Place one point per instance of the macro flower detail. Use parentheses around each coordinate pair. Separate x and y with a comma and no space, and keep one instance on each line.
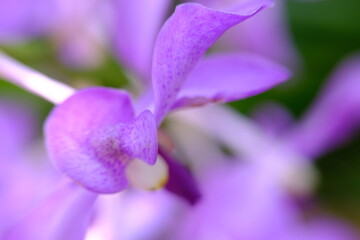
(124,154)
(94,134)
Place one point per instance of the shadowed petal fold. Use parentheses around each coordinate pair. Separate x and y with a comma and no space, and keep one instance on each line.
(183,40)
(93,135)
(229,77)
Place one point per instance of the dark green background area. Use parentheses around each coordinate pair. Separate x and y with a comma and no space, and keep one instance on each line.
(324,31)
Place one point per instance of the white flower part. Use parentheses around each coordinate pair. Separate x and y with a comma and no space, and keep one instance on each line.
(33,81)
(144,176)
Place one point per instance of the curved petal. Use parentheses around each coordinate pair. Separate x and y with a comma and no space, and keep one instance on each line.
(229,77)
(137,24)
(93,135)
(65,214)
(270,25)
(335,114)
(182,41)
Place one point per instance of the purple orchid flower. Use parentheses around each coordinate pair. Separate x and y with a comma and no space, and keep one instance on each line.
(93,143)
(95,133)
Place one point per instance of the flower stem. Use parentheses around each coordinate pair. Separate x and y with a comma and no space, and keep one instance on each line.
(33,81)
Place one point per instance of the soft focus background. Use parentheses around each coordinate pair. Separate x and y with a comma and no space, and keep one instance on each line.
(324,33)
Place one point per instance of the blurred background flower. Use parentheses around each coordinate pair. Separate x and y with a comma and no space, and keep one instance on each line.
(285,195)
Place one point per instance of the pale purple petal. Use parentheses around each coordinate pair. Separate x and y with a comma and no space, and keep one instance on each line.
(229,77)
(65,214)
(182,41)
(335,114)
(237,201)
(137,23)
(93,135)
(137,215)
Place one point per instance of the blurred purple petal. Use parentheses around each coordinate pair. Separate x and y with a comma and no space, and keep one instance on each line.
(136,26)
(79,31)
(16,128)
(335,114)
(17,21)
(237,201)
(229,77)
(321,229)
(182,41)
(135,215)
(63,215)
(24,178)
(93,135)
(273,118)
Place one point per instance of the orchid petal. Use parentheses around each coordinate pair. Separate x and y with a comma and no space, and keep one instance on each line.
(249,36)
(65,214)
(334,116)
(229,77)
(93,135)
(135,33)
(182,41)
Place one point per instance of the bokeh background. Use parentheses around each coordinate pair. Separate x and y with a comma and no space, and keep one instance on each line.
(324,33)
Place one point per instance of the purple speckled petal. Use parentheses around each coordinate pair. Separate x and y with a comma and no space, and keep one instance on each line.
(135,33)
(334,116)
(229,77)
(183,40)
(65,214)
(93,135)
